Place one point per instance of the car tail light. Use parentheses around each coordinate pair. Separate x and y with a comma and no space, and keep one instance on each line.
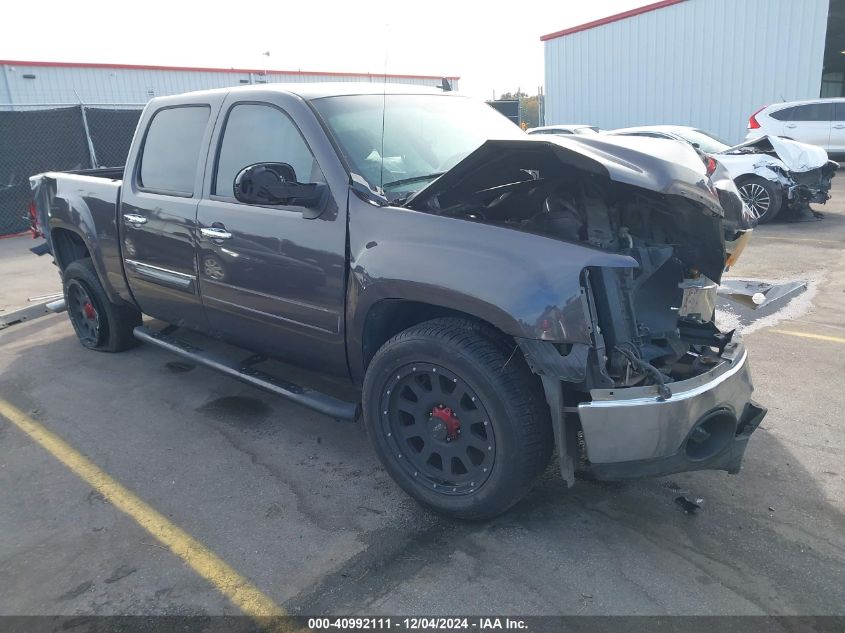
(710,164)
(752,120)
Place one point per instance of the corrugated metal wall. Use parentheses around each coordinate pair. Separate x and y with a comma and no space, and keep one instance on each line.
(706,63)
(97,85)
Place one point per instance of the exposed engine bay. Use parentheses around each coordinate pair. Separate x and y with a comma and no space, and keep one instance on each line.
(652,324)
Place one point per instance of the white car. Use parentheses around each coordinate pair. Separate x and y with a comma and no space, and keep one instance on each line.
(771,172)
(564,129)
(818,121)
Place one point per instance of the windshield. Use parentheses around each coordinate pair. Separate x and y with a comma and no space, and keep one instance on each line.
(424,135)
(706,143)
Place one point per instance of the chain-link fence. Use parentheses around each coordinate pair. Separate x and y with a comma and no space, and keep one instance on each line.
(42,138)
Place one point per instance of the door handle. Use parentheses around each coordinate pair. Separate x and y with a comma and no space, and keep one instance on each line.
(790,125)
(134,218)
(838,126)
(215,233)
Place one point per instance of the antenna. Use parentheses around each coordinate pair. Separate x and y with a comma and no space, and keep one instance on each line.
(91,151)
(383,108)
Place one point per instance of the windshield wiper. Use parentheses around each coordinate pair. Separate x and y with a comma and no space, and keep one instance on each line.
(405,181)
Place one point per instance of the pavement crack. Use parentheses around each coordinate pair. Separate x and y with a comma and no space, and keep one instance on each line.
(392,557)
(120,573)
(76,591)
(302,505)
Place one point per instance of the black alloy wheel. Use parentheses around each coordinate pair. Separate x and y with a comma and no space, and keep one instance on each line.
(99,323)
(439,428)
(84,314)
(457,418)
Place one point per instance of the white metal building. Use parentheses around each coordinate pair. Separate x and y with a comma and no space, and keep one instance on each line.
(706,63)
(26,83)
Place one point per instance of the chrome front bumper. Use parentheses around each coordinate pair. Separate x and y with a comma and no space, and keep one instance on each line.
(704,425)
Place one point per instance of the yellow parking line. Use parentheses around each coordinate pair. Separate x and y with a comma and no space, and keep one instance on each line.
(243,594)
(819,337)
(795,239)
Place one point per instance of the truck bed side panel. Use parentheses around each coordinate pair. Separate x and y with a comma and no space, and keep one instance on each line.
(87,206)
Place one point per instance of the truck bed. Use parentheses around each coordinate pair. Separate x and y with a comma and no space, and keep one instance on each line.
(112,173)
(45,187)
(83,203)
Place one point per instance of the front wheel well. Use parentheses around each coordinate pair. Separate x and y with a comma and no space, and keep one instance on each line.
(388,317)
(67,247)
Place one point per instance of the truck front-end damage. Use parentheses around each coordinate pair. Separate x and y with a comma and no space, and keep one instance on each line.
(702,423)
(660,389)
(655,387)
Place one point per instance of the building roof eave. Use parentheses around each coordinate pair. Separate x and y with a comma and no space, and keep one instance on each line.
(610,19)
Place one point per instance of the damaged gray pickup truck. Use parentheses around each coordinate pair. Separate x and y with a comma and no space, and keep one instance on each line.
(488,297)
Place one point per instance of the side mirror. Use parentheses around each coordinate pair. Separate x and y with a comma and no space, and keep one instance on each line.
(275,183)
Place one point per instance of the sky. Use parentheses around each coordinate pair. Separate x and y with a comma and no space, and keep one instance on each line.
(493,46)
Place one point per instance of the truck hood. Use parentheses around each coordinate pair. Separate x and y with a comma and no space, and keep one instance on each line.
(659,165)
(796,157)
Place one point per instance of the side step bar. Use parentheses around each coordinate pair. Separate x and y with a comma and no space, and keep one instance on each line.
(310,398)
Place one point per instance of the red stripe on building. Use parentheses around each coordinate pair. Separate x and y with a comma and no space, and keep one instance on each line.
(611,18)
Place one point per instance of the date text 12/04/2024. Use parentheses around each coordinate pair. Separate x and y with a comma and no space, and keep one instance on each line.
(417,623)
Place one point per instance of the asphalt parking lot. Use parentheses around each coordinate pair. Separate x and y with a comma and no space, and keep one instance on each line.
(298,507)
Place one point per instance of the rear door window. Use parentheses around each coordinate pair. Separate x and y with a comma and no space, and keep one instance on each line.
(813,112)
(784,114)
(839,111)
(171,151)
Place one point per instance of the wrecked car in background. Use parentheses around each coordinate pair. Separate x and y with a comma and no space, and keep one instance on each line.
(488,295)
(772,173)
(564,129)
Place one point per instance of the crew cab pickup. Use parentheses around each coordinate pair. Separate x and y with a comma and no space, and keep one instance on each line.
(488,297)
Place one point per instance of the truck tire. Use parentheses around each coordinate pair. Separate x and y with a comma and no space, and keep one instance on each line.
(457,418)
(762,196)
(99,324)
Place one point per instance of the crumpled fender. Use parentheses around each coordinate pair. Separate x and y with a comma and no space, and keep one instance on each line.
(761,165)
(526,285)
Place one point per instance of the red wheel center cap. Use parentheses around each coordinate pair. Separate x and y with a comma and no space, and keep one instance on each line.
(449,420)
(90,312)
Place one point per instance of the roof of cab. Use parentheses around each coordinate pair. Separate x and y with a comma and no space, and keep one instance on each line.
(319,90)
